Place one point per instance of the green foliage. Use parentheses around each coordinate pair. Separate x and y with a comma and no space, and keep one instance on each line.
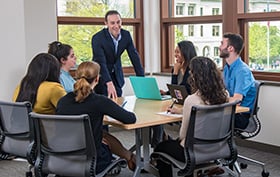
(79,36)
(258,43)
(179,35)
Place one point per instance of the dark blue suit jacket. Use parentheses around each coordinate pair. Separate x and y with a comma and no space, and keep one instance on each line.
(104,53)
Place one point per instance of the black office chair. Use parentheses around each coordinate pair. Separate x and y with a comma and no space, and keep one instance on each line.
(251,131)
(16,132)
(209,141)
(66,147)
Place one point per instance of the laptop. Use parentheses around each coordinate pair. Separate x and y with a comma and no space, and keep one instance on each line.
(178,92)
(146,88)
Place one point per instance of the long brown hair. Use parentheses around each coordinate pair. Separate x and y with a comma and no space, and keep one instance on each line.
(188,52)
(206,78)
(86,73)
(43,67)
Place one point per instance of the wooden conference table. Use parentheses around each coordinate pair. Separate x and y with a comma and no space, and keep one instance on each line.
(146,112)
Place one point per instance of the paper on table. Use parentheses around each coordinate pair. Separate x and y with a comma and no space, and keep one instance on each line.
(169,114)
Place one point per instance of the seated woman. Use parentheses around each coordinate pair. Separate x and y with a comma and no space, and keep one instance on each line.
(64,53)
(83,100)
(207,89)
(40,86)
(184,52)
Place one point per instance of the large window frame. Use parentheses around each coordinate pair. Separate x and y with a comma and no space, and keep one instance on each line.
(137,23)
(233,19)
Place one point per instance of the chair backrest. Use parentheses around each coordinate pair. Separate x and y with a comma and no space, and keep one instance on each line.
(15,128)
(254,125)
(65,145)
(210,134)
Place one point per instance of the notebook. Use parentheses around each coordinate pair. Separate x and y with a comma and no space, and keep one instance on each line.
(178,92)
(146,88)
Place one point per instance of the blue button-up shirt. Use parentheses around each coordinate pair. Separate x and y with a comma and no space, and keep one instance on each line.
(238,78)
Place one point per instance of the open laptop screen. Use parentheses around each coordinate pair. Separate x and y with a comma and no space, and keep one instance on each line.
(178,92)
(146,88)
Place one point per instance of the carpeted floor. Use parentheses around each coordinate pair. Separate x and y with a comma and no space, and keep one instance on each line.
(17,168)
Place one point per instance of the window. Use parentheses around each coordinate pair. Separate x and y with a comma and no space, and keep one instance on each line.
(216,57)
(191,30)
(215,11)
(264,46)
(180,9)
(191,10)
(95,8)
(204,44)
(261,32)
(79,20)
(216,51)
(263,6)
(215,30)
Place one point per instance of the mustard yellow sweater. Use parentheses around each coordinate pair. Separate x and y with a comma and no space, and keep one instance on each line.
(47,97)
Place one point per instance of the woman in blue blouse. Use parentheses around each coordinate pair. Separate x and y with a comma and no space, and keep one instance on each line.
(67,59)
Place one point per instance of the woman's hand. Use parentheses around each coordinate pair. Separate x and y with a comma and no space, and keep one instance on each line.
(175,110)
(177,67)
(162,92)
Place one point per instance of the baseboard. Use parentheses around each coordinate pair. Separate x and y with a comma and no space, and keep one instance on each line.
(258,146)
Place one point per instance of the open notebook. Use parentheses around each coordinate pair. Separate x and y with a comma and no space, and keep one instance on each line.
(146,88)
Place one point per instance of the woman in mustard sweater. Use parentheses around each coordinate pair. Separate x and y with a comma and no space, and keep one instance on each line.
(41,85)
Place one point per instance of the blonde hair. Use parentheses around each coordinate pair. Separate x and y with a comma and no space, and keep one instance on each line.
(86,73)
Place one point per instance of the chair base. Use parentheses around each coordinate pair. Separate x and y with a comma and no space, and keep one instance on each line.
(207,170)
(245,160)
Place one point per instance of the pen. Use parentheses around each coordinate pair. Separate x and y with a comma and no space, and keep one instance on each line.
(123,104)
(172,105)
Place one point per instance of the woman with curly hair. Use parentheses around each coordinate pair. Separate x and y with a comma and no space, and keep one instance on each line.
(207,89)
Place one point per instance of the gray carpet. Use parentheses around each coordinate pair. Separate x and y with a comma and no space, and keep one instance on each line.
(17,168)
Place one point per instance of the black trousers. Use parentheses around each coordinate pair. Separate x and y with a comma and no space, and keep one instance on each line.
(241,120)
(172,148)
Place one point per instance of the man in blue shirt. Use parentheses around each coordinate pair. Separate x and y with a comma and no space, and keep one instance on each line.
(238,78)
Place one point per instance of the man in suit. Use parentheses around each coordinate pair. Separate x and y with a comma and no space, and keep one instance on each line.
(107,47)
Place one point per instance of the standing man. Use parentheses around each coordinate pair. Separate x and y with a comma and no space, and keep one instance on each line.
(238,78)
(107,48)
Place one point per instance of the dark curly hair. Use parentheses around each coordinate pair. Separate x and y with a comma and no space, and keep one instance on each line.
(206,78)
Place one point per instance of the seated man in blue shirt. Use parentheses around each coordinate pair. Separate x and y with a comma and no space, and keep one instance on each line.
(238,78)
